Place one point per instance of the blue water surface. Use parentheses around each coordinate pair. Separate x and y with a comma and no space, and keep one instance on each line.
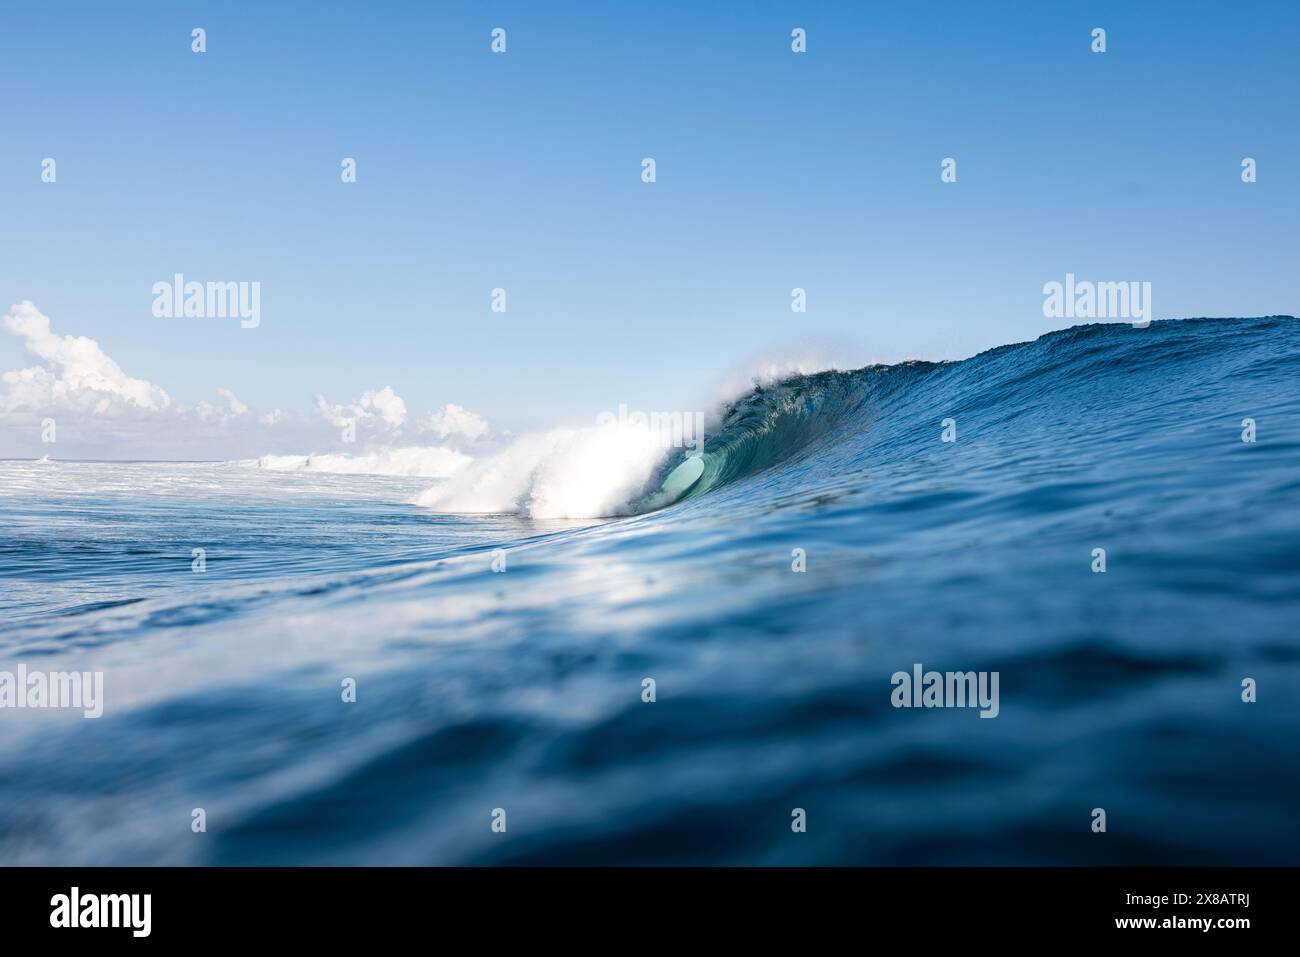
(522,690)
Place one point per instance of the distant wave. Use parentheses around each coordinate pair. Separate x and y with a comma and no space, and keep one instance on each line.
(416,461)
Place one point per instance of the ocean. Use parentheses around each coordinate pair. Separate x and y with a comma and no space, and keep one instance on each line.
(306,666)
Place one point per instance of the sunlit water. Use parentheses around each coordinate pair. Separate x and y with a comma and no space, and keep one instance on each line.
(522,690)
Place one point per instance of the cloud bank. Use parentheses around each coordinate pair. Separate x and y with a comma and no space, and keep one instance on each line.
(79,396)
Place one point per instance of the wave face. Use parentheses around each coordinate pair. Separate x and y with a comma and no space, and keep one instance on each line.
(522,688)
(1065,389)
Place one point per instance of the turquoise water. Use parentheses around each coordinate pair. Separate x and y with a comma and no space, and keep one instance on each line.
(522,690)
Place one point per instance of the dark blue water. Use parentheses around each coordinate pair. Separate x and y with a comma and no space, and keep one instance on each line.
(522,690)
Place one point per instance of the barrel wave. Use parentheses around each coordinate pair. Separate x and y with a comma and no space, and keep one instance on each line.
(1106,518)
(1071,389)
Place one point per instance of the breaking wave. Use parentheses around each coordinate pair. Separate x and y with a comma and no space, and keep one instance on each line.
(416,461)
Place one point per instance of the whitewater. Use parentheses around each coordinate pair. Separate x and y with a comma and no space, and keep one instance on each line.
(499,611)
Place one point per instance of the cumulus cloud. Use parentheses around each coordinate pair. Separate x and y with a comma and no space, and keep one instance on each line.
(387,403)
(77,371)
(382,412)
(382,407)
(101,412)
(453,420)
(237,407)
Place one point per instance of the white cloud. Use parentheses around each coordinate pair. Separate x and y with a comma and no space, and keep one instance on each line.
(220,414)
(77,372)
(237,407)
(386,402)
(451,419)
(383,408)
(101,412)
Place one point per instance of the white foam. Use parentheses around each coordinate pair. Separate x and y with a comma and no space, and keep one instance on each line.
(566,473)
(424,461)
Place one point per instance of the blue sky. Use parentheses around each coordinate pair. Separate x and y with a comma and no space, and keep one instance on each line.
(522,171)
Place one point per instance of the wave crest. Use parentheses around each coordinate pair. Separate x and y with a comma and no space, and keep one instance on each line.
(566,473)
